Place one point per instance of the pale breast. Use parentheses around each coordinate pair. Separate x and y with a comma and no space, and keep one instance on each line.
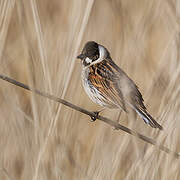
(92,92)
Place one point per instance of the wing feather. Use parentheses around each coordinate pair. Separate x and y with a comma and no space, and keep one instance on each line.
(102,77)
(117,89)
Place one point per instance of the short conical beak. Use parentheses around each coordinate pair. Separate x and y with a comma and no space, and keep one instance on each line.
(81,56)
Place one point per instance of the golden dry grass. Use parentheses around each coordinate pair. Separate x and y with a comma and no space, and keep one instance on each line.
(41,139)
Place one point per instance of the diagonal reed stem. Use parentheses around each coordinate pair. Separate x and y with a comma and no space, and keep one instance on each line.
(92,114)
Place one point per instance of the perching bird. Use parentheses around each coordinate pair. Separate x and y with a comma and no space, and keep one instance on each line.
(108,85)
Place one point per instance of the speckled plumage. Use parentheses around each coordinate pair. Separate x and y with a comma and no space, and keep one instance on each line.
(108,85)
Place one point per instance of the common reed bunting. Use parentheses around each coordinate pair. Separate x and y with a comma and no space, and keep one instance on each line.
(108,85)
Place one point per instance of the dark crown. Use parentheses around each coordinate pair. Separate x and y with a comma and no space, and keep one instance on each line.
(91,50)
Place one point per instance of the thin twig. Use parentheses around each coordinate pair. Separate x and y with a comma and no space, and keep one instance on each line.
(92,114)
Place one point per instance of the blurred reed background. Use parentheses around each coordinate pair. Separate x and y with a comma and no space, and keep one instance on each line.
(40,40)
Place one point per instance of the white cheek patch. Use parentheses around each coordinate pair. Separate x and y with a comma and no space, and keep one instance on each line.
(88,61)
(102,52)
(102,55)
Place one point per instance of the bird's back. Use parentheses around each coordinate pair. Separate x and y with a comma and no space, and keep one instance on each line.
(108,85)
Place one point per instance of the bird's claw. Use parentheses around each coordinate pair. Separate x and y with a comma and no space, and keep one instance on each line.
(95,116)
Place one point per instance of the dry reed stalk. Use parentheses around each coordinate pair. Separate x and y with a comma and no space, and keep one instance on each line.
(6,8)
(93,115)
(143,36)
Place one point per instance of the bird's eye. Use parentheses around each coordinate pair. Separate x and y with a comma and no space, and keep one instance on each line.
(96,57)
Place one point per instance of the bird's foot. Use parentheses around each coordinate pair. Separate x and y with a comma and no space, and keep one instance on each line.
(95,116)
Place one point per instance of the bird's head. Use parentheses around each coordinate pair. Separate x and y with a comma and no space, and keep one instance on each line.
(93,53)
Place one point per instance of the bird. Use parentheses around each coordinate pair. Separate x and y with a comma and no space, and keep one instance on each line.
(108,85)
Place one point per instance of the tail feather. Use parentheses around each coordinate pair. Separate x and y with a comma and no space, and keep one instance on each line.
(148,119)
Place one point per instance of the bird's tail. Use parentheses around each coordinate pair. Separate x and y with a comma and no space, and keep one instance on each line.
(148,119)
